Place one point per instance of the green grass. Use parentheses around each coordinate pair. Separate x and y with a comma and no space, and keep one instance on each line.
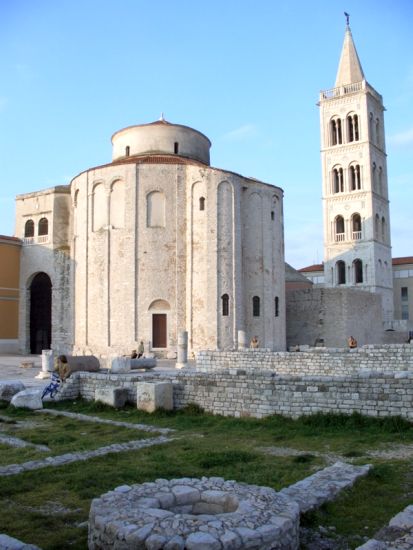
(47,507)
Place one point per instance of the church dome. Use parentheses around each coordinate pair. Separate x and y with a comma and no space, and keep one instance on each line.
(160,137)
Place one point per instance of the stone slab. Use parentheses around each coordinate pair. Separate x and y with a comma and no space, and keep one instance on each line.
(10,543)
(154,395)
(28,399)
(115,397)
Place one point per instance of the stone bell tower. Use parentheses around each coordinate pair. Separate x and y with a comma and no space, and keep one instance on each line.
(357,250)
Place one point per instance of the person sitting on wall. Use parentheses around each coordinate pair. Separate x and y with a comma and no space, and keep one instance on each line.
(352,342)
(254,342)
(133,354)
(140,349)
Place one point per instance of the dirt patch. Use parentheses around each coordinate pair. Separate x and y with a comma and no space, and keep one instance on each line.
(396,452)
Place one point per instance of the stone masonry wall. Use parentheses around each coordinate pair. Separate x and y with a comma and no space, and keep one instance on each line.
(374,381)
(314,361)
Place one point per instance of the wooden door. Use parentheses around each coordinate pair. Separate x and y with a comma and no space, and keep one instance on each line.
(159,330)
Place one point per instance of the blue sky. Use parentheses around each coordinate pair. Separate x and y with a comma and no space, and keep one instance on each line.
(247,74)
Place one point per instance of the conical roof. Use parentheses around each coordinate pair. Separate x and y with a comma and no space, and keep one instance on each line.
(349,68)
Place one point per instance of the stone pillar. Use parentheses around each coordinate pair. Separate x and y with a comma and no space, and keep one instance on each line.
(242,339)
(182,350)
(47,364)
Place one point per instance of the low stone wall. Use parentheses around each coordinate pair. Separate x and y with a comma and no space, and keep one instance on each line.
(313,361)
(263,393)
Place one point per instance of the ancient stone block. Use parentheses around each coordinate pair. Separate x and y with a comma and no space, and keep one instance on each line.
(154,395)
(8,389)
(121,364)
(115,397)
(28,399)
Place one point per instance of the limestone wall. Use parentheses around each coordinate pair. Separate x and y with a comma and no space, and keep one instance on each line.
(314,361)
(164,243)
(374,381)
(333,314)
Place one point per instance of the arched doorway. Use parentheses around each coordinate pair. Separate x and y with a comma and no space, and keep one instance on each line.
(40,313)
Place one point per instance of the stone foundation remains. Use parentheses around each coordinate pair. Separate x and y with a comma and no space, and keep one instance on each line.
(207,513)
(373,381)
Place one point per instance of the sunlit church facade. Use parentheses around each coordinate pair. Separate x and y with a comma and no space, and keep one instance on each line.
(157,241)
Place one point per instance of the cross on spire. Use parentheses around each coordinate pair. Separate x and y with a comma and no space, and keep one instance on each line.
(347,18)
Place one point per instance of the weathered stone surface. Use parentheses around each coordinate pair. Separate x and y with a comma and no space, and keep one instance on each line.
(28,399)
(121,364)
(143,363)
(202,541)
(324,485)
(115,397)
(9,389)
(269,521)
(10,543)
(398,535)
(404,519)
(154,395)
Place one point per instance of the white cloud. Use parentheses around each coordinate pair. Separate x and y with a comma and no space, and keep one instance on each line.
(402,138)
(242,133)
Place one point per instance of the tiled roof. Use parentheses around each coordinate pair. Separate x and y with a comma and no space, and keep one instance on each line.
(159,159)
(315,267)
(403,261)
(15,240)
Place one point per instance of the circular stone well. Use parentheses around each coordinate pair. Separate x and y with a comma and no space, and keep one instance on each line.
(193,514)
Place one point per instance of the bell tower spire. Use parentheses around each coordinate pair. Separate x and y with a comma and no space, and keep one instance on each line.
(357,248)
(349,69)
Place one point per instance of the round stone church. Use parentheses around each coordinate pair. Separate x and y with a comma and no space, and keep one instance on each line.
(153,243)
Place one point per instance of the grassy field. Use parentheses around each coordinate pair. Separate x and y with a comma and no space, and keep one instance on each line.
(49,507)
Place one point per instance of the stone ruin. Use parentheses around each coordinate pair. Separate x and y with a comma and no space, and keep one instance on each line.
(193,514)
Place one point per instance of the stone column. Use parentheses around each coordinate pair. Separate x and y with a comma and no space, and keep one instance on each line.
(47,364)
(242,339)
(182,350)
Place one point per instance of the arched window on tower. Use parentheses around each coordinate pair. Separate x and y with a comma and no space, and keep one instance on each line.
(380,181)
(356,227)
(358,271)
(341,272)
(338,182)
(276,306)
(378,132)
(202,203)
(43,227)
(383,229)
(339,228)
(355,182)
(371,127)
(377,227)
(29,229)
(335,131)
(374,177)
(353,127)
(256,306)
(225,304)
